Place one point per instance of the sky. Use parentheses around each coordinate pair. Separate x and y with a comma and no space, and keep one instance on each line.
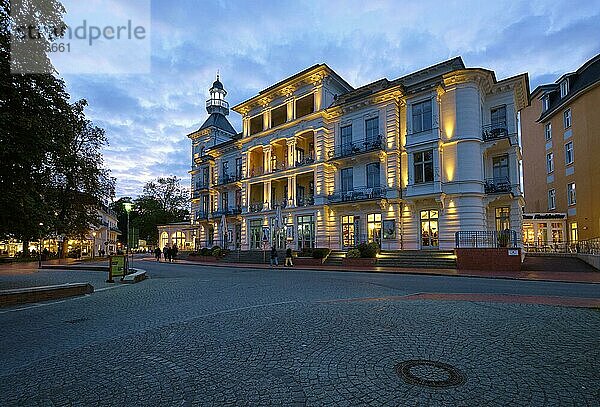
(255,44)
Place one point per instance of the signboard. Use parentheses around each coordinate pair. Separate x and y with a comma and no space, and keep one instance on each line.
(265,234)
(513,252)
(389,229)
(117,266)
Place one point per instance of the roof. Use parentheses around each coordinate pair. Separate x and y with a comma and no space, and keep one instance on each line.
(217,84)
(587,75)
(419,76)
(218,121)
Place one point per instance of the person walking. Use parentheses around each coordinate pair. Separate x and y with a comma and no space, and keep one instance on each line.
(170,254)
(288,257)
(274,257)
(175,250)
(157,253)
(166,253)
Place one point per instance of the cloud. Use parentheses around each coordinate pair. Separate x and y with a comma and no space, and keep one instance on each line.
(257,43)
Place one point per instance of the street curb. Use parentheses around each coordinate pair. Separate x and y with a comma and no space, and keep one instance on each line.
(135,277)
(45,293)
(79,267)
(411,272)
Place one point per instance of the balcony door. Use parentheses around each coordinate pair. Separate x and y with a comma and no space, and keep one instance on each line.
(429,229)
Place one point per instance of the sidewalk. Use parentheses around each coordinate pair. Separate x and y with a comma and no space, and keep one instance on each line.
(32,266)
(562,276)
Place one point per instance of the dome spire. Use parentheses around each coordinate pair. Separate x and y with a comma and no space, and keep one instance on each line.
(217,102)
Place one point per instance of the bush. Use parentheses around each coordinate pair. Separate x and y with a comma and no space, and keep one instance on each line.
(216,251)
(204,251)
(353,254)
(320,253)
(370,250)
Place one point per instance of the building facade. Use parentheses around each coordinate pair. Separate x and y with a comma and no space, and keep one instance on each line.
(405,162)
(561,140)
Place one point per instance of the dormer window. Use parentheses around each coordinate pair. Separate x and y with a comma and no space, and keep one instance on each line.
(564,88)
(545,103)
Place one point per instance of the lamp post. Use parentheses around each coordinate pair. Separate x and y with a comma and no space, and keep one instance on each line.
(94,247)
(128,206)
(40,247)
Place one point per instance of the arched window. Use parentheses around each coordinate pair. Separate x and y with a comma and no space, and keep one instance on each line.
(178,238)
(164,239)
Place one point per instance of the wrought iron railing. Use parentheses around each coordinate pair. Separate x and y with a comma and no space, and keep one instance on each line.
(494,131)
(276,204)
(305,201)
(305,161)
(232,211)
(357,147)
(358,194)
(278,165)
(255,207)
(228,179)
(589,246)
(499,185)
(486,238)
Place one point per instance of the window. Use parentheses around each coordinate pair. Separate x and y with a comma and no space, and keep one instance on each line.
(552,199)
(374,227)
(371,129)
(429,229)
(256,124)
(205,205)
(421,116)
(545,103)
(498,116)
(279,115)
(205,177)
(549,162)
(224,201)
(238,167)
(548,131)
(373,175)
(347,179)
(569,153)
(305,105)
(346,138)
(567,118)
(348,231)
(502,218)
(557,232)
(500,168)
(564,88)
(542,237)
(573,232)
(571,197)
(225,168)
(423,166)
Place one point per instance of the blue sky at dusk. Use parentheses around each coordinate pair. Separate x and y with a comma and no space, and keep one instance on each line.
(257,43)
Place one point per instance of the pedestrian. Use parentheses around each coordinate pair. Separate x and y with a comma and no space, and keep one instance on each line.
(288,257)
(166,253)
(157,253)
(170,254)
(175,250)
(274,257)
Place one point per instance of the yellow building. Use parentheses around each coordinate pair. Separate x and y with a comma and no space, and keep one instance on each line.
(561,146)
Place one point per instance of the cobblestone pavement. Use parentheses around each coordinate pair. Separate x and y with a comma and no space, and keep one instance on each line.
(201,336)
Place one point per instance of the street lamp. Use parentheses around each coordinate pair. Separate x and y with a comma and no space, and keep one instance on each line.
(94,247)
(40,247)
(128,206)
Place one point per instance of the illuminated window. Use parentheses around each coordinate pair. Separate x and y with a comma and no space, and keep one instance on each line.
(557,232)
(178,238)
(573,232)
(548,131)
(348,231)
(502,218)
(374,227)
(571,197)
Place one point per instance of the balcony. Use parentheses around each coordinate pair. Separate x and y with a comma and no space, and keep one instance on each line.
(201,215)
(305,161)
(255,207)
(500,185)
(217,102)
(358,194)
(233,211)
(494,131)
(357,147)
(305,201)
(228,179)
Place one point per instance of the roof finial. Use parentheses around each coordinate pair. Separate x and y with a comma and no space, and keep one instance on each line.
(217,74)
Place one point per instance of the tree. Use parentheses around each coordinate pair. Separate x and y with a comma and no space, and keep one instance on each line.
(168,193)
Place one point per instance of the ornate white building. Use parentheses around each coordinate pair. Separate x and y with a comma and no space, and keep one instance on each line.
(406,162)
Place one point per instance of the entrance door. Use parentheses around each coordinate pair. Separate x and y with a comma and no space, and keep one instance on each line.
(429,229)
(306,231)
(348,231)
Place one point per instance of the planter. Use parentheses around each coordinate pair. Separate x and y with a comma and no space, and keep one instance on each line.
(358,262)
(211,259)
(488,259)
(307,261)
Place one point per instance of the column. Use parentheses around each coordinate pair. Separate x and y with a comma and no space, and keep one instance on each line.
(291,155)
(267,195)
(267,159)
(291,107)
(266,119)
(292,191)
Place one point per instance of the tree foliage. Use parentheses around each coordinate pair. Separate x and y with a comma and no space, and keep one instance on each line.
(51,167)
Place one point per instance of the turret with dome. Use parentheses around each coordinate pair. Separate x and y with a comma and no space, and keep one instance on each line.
(218,108)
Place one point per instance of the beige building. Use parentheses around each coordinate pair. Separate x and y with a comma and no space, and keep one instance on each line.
(405,162)
(561,146)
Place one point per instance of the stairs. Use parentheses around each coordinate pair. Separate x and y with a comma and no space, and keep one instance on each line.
(252,257)
(335,258)
(417,259)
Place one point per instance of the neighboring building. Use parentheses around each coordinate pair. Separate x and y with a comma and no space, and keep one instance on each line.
(561,145)
(181,234)
(106,235)
(406,163)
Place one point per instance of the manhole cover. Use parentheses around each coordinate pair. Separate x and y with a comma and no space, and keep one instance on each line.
(429,373)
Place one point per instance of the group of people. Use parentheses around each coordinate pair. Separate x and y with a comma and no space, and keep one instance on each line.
(275,257)
(169,253)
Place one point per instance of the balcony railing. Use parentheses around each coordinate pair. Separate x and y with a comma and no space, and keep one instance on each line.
(305,161)
(217,102)
(200,215)
(202,185)
(499,185)
(486,238)
(228,179)
(357,147)
(255,207)
(494,131)
(305,201)
(278,165)
(277,204)
(256,171)
(358,194)
(233,211)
